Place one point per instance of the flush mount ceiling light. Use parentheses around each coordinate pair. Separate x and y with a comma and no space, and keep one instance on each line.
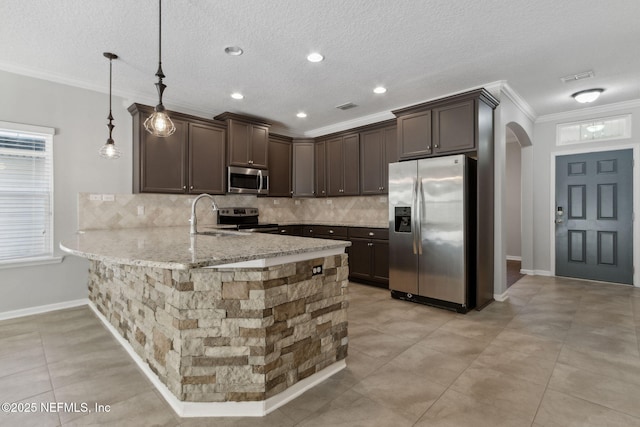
(301,114)
(233,50)
(109,149)
(314,57)
(237,95)
(589,95)
(159,123)
(380,89)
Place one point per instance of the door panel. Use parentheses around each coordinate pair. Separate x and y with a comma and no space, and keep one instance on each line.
(403,262)
(594,216)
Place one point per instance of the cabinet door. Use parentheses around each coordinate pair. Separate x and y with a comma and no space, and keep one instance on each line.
(380,261)
(320,169)
(279,168)
(334,167)
(239,137)
(453,128)
(303,154)
(163,161)
(372,173)
(259,147)
(360,259)
(351,165)
(414,135)
(206,159)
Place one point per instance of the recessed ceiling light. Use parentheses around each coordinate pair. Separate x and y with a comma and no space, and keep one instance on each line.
(588,95)
(314,57)
(380,89)
(237,95)
(233,50)
(301,114)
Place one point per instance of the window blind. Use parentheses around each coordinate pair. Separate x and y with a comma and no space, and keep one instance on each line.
(26,195)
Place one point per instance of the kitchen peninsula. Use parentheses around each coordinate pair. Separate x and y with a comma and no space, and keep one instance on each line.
(231,323)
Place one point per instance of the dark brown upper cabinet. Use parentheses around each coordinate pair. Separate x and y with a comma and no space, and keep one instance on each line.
(248,140)
(343,165)
(320,169)
(414,135)
(378,148)
(192,160)
(279,166)
(445,126)
(303,165)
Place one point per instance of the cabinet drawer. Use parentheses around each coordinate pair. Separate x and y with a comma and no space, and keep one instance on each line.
(290,230)
(325,231)
(369,233)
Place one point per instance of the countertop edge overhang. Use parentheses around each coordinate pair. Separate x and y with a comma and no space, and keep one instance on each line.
(175,248)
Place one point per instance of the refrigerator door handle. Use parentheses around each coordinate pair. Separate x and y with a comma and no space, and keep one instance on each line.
(414,207)
(419,215)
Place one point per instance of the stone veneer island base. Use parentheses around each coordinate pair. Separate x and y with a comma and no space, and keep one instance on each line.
(228,340)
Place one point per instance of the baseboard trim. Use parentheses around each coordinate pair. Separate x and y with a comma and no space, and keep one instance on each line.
(221,409)
(527,272)
(501,297)
(43,309)
(536,272)
(514,258)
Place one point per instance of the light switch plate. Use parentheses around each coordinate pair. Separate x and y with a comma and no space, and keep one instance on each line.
(141,210)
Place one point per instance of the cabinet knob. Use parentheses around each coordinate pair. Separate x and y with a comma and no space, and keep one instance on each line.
(428,147)
(330,231)
(191,187)
(291,191)
(283,231)
(371,233)
(250,162)
(370,244)
(436,146)
(184,187)
(322,191)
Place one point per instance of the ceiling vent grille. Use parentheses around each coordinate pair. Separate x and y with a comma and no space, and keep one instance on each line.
(579,76)
(347,106)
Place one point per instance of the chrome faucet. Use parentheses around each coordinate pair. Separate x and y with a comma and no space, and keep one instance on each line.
(193,220)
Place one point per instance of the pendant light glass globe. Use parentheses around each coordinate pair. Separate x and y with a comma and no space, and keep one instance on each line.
(110,151)
(159,123)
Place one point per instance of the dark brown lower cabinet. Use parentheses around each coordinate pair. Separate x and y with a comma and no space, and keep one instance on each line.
(369,256)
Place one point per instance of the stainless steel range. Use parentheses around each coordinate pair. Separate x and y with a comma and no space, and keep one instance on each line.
(245,219)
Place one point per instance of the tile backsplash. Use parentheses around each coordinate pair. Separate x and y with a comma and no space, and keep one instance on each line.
(165,210)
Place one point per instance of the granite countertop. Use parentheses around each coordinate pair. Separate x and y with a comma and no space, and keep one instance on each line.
(175,248)
(335,224)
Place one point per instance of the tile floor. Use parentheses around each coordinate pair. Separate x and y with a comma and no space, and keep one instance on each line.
(559,352)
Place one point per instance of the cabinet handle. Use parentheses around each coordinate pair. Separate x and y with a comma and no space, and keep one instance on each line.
(291,191)
(283,231)
(250,162)
(371,233)
(381,188)
(370,244)
(330,231)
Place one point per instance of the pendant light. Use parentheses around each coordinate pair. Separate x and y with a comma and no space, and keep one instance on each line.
(159,123)
(109,149)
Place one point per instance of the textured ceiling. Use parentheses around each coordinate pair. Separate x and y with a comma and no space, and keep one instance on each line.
(419,50)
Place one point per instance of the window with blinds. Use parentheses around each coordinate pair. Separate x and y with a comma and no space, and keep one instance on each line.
(26,192)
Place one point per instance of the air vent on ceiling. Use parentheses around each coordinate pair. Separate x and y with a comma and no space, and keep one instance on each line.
(579,76)
(347,106)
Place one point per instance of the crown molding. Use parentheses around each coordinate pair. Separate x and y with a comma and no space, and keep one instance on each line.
(519,101)
(590,111)
(350,124)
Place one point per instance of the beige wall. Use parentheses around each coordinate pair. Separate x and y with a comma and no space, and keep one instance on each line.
(513,200)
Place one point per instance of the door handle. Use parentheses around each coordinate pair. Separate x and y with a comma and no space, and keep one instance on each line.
(259,181)
(419,213)
(414,208)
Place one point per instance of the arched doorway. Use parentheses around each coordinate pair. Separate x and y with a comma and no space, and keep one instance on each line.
(516,139)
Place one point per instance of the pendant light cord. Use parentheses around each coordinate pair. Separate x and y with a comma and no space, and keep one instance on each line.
(160,31)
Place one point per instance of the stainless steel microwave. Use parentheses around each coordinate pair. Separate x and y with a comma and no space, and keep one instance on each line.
(247,180)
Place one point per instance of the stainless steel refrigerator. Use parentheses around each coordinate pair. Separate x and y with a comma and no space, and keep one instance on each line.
(432,231)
